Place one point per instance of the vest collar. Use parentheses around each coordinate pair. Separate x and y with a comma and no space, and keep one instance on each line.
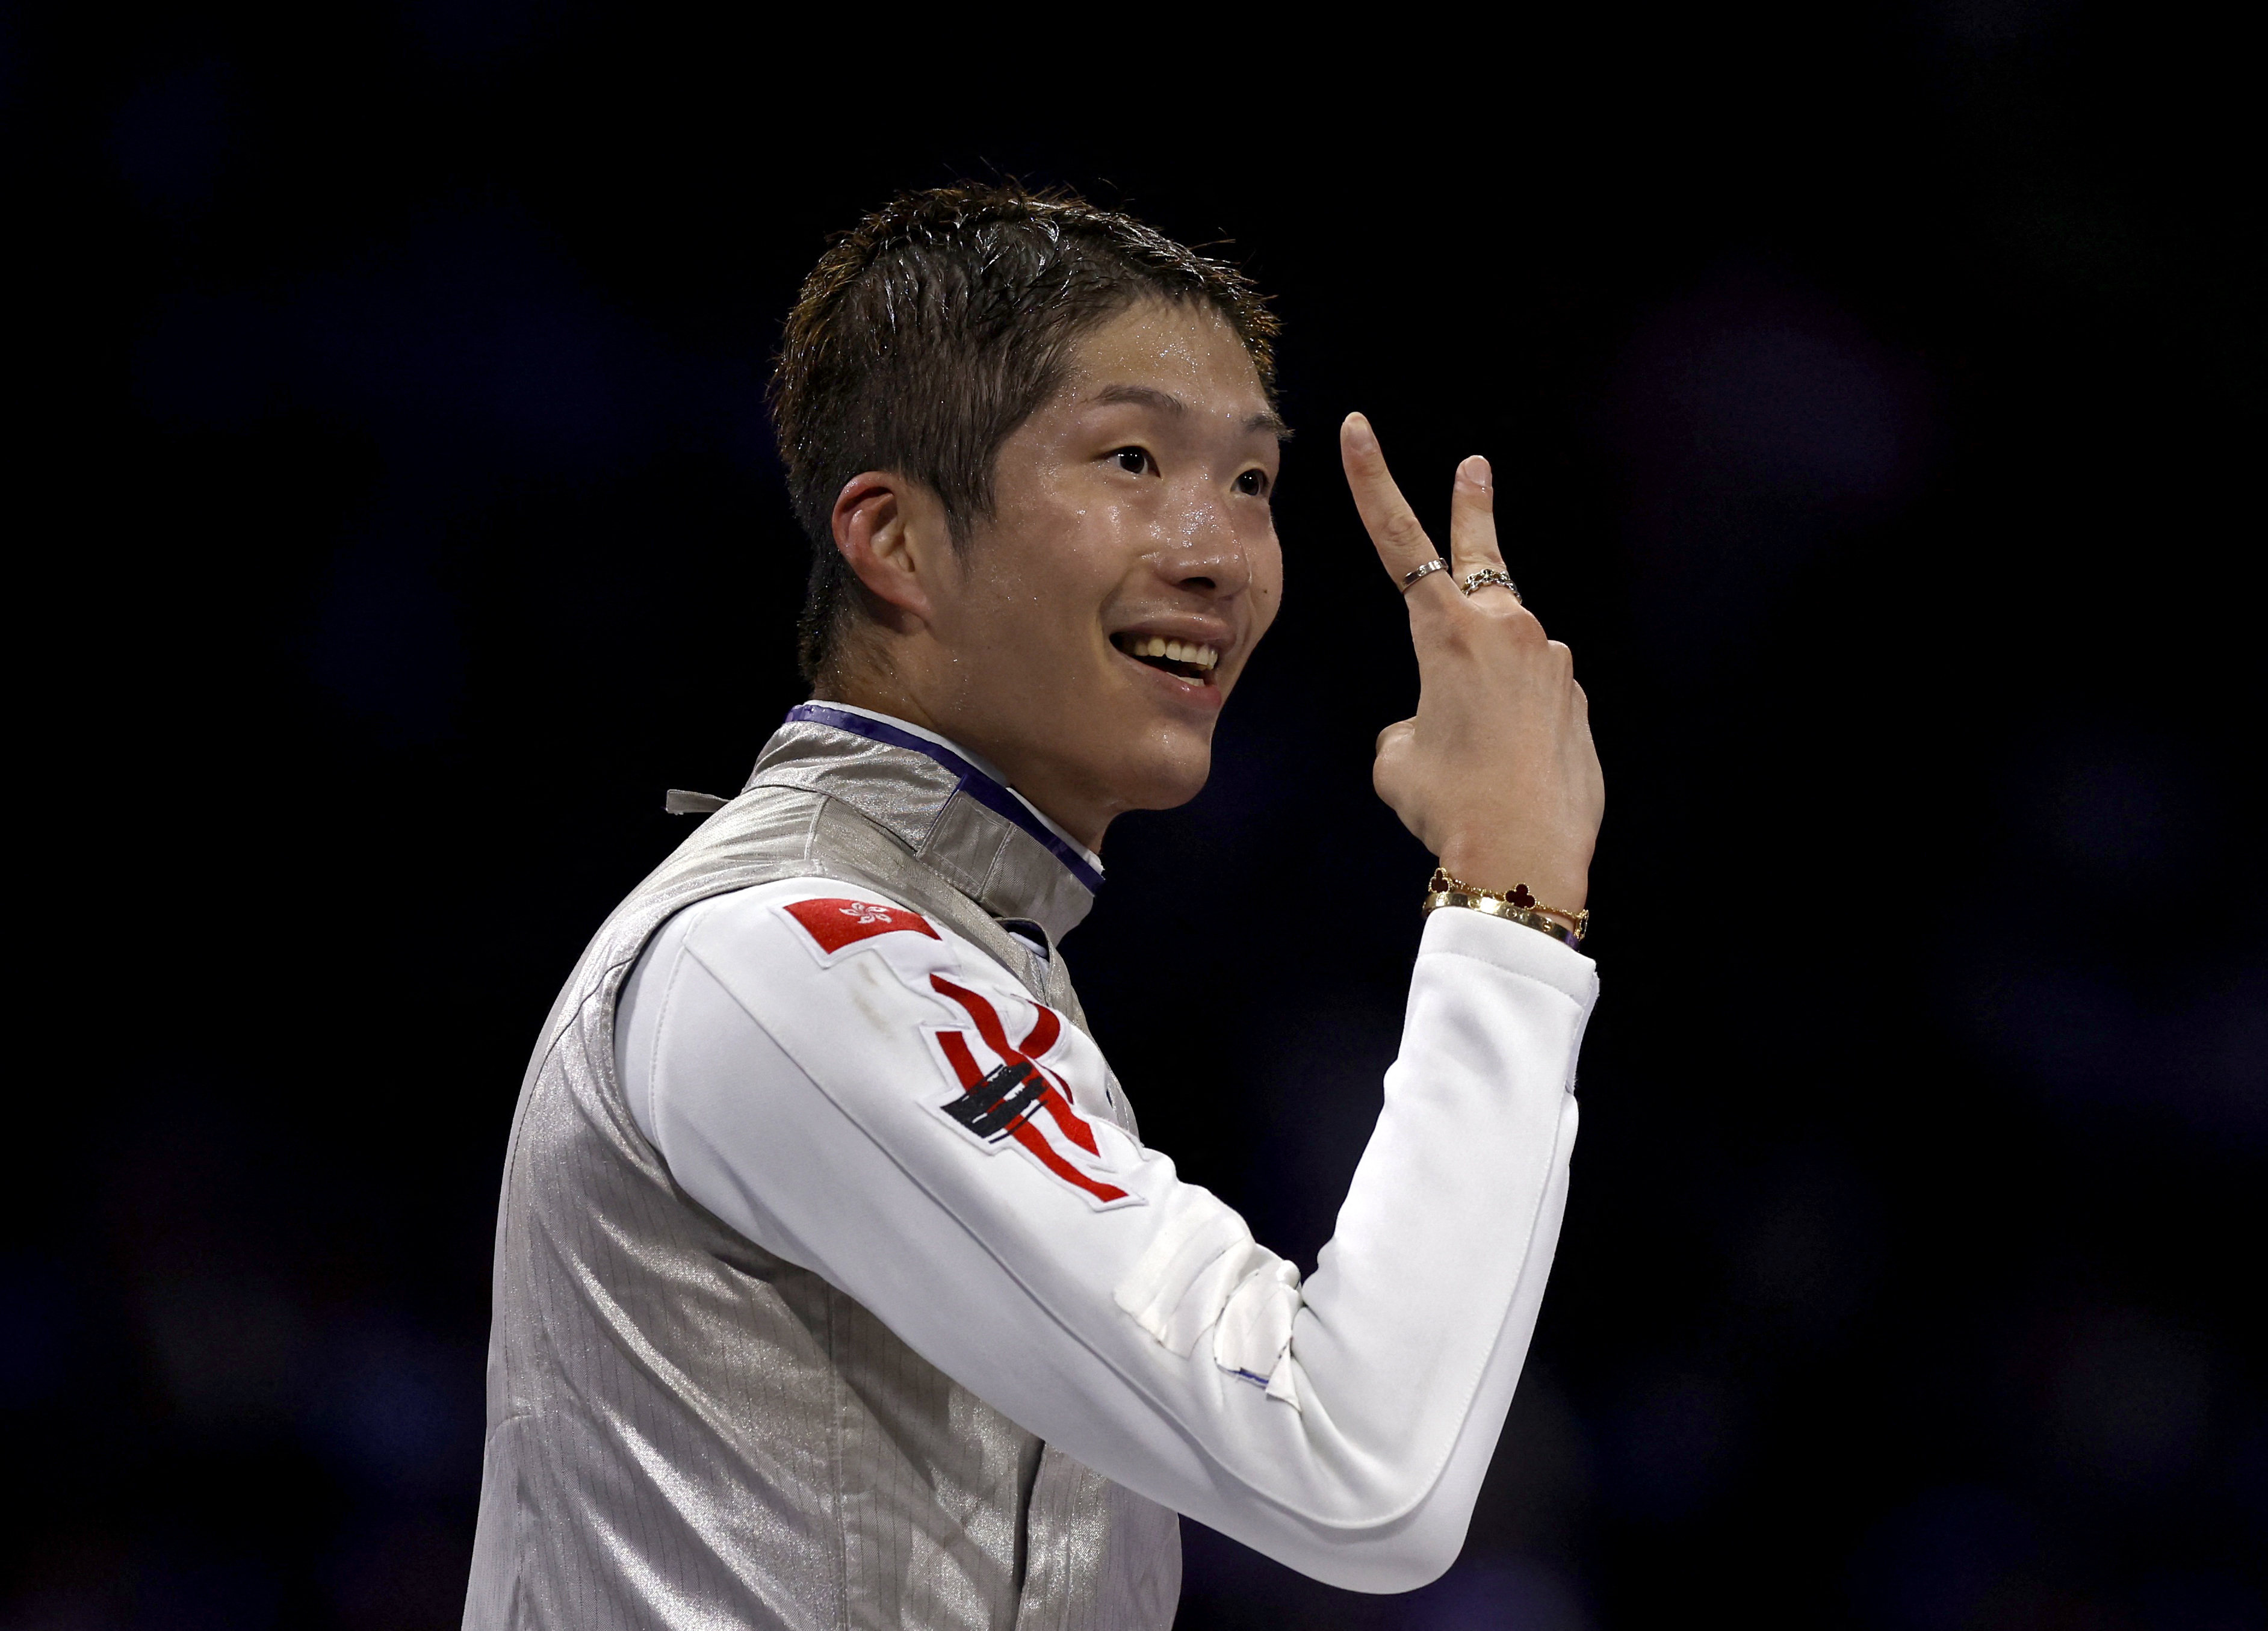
(951,813)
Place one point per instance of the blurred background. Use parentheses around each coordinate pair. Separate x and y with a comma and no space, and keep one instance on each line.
(1873,395)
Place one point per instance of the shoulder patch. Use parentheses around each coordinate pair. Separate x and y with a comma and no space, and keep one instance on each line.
(1001,1104)
(836,924)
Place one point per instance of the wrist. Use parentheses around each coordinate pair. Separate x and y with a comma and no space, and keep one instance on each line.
(1566,889)
(1518,905)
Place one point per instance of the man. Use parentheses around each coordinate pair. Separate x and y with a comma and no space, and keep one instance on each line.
(833,1285)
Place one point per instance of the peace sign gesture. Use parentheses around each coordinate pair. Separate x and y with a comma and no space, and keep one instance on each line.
(1496,774)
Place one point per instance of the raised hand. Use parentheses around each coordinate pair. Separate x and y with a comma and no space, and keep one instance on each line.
(1496,774)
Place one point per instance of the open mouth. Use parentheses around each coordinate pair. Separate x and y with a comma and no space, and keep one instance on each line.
(1182,658)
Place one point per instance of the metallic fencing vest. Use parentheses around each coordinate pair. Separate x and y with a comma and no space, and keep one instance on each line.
(685,1431)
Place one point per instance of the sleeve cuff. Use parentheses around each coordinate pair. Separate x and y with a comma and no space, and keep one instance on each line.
(1513,947)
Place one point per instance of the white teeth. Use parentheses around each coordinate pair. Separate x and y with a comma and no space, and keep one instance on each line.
(1173,650)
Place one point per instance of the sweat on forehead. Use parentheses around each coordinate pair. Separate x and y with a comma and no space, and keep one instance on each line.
(1266,420)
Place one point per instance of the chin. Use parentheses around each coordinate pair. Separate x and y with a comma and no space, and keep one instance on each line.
(1168,776)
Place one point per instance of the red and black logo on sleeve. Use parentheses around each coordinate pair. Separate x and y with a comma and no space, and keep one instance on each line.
(1018,1100)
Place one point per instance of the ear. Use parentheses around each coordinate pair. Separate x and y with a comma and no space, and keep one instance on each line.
(891,533)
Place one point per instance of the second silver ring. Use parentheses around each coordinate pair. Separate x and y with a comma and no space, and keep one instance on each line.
(1488,575)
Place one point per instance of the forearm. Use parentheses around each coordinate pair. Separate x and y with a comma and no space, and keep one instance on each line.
(1411,1335)
(1443,1215)
(1399,1554)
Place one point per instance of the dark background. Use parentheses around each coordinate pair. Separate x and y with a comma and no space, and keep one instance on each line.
(1873,397)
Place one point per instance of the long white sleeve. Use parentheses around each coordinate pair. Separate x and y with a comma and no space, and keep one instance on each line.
(861,1093)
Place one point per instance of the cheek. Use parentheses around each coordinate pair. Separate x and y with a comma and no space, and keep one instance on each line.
(1267,580)
(1046,579)
(1091,542)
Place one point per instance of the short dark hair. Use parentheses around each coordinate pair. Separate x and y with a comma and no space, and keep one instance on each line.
(932,329)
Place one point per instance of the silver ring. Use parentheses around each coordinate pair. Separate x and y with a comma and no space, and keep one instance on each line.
(1486,575)
(1410,579)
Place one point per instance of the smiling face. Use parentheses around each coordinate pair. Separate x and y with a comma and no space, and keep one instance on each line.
(1087,637)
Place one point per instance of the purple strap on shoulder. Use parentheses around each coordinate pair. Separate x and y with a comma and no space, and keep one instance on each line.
(975,783)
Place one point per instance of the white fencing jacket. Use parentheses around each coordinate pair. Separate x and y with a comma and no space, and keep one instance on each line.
(861,1092)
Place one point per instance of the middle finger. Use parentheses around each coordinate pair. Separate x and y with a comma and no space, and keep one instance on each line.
(1472,520)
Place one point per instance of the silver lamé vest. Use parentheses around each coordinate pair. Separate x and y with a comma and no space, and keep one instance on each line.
(685,1431)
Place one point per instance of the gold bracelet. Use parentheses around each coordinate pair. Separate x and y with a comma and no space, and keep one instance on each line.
(1517,905)
(1490,906)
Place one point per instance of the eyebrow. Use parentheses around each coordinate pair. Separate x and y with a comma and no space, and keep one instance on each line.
(1267,422)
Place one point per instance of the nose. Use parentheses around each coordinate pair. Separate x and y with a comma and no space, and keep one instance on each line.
(1202,551)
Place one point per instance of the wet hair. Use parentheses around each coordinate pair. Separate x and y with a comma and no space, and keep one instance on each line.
(931,330)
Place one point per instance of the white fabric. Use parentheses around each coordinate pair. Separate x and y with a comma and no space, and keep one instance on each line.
(1342,1426)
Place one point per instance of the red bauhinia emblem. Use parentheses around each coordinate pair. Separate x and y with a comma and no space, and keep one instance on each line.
(834,924)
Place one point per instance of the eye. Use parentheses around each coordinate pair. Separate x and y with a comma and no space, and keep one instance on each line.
(1134,461)
(1253,484)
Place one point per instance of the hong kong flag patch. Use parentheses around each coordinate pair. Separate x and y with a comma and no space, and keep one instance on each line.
(834,924)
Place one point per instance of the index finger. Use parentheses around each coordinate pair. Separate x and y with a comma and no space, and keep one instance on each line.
(1394,529)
